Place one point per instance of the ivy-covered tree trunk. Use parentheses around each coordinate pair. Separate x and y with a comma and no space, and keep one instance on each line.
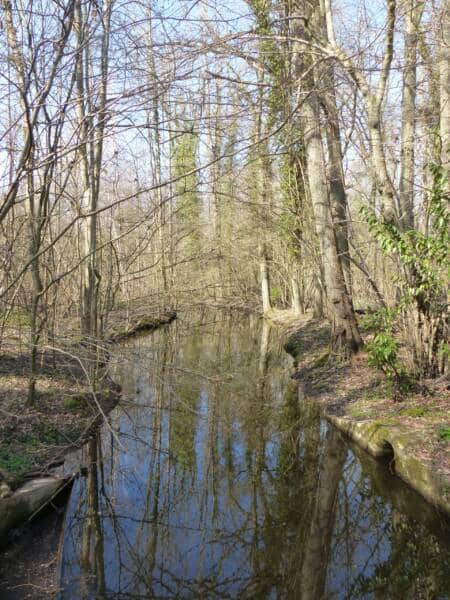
(188,202)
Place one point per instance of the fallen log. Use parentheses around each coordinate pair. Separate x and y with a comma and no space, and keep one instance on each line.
(27,501)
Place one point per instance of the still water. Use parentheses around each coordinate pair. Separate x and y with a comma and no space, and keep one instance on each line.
(217,479)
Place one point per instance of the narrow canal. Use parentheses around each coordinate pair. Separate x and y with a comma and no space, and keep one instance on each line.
(217,479)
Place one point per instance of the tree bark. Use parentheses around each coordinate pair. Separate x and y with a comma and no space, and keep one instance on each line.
(265,286)
(345,334)
(413,16)
(444,87)
(92,124)
(296,297)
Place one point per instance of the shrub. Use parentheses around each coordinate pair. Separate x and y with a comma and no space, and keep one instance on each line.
(383,355)
(423,261)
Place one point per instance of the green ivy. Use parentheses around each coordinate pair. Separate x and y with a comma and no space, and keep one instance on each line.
(425,268)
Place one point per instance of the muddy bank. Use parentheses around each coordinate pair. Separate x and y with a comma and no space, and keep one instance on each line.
(356,400)
(28,567)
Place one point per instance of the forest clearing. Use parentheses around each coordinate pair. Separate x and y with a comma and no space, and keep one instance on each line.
(224,308)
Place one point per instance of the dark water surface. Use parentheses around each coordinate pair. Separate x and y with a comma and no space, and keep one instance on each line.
(218,480)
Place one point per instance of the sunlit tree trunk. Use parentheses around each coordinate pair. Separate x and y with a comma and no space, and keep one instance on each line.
(444,74)
(264,278)
(338,194)
(413,16)
(374,99)
(215,176)
(296,296)
(345,333)
(91,123)
(155,143)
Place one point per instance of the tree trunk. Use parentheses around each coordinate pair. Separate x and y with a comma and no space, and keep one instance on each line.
(90,278)
(157,153)
(413,15)
(338,194)
(92,124)
(345,334)
(296,299)
(444,72)
(265,286)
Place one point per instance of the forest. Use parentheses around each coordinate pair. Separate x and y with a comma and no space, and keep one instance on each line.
(265,154)
(287,158)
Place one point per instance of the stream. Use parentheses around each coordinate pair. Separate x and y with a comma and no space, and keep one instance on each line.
(216,478)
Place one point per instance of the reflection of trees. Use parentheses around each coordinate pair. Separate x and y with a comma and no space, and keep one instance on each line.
(415,568)
(318,539)
(229,486)
(92,545)
(183,424)
(298,523)
(264,349)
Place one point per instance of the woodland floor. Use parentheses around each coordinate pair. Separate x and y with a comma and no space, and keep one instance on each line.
(360,393)
(34,439)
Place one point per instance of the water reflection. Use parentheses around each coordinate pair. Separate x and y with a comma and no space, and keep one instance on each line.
(218,481)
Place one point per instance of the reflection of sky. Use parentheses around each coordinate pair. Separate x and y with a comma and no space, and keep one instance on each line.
(222,524)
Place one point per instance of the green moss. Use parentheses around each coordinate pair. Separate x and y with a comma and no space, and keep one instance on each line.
(417,411)
(358,413)
(382,424)
(13,464)
(149,322)
(74,402)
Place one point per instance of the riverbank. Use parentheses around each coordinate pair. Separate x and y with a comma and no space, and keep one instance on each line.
(35,439)
(355,399)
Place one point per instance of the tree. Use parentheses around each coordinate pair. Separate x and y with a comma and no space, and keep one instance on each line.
(345,334)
